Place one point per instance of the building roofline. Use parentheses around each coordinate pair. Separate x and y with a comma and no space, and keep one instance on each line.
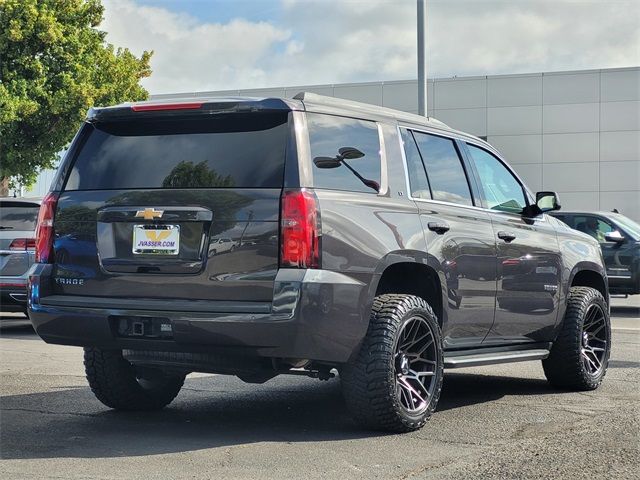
(232,92)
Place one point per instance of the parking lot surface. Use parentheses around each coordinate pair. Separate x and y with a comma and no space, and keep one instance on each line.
(492,422)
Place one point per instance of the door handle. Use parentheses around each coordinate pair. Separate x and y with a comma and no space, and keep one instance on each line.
(506,236)
(438,227)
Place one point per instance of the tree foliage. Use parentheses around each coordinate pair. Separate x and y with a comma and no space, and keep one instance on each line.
(189,175)
(54,65)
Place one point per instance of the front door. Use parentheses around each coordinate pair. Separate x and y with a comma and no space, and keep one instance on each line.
(528,280)
(528,257)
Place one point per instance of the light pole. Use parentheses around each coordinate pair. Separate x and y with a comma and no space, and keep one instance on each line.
(422,57)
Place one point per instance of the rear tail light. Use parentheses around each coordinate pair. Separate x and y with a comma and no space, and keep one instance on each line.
(299,230)
(44,229)
(22,244)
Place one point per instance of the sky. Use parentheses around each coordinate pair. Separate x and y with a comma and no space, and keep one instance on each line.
(237,44)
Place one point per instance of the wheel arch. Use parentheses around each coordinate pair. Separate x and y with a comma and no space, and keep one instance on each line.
(590,275)
(412,273)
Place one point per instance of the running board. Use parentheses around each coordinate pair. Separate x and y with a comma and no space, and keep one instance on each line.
(479,359)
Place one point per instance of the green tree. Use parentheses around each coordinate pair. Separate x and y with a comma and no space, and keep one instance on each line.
(54,65)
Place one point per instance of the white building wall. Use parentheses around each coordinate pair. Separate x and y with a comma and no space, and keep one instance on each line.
(577,132)
(574,132)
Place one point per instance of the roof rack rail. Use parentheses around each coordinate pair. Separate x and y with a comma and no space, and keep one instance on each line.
(340,102)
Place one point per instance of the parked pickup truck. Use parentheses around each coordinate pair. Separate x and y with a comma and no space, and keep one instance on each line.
(374,243)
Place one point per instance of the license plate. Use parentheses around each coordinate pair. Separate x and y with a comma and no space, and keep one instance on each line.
(156,239)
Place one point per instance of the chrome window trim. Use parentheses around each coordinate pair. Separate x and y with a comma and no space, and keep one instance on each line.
(441,202)
(384,179)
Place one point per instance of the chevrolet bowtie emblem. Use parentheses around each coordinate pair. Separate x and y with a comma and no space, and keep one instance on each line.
(149,213)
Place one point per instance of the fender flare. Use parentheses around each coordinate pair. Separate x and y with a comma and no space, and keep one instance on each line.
(412,257)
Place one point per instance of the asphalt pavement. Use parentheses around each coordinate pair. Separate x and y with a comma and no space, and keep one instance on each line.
(502,422)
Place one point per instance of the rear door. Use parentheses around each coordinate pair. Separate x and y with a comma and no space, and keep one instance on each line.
(529,262)
(149,202)
(455,231)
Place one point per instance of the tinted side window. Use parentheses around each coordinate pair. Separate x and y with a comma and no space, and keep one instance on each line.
(566,219)
(415,168)
(501,189)
(446,174)
(594,226)
(223,151)
(327,135)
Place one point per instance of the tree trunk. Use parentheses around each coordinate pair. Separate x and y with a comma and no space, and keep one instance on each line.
(4,187)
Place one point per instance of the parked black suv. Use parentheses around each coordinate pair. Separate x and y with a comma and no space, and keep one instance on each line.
(369,241)
(619,239)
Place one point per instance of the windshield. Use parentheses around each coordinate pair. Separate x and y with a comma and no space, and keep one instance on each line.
(18,216)
(629,226)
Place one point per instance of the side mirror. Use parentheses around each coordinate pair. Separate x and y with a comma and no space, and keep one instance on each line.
(547,201)
(614,236)
(327,162)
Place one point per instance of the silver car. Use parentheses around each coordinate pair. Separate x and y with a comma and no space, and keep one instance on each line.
(18,217)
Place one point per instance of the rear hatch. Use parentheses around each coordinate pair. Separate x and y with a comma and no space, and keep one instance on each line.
(173,208)
(17,238)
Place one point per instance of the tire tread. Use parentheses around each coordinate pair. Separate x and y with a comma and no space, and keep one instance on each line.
(367,380)
(113,381)
(563,367)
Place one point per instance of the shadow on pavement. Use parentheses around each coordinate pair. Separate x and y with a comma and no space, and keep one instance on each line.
(11,322)
(22,332)
(209,412)
(465,389)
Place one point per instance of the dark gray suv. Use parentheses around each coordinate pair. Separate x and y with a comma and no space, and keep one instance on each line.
(367,241)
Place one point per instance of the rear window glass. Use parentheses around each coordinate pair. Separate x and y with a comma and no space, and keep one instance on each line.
(18,217)
(225,151)
(329,136)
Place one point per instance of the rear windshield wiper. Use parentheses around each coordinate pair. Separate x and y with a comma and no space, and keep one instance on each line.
(2,227)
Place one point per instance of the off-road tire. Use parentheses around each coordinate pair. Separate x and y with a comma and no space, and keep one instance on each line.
(368,379)
(564,368)
(115,382)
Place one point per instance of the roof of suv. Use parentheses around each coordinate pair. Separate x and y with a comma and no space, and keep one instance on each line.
(303,101)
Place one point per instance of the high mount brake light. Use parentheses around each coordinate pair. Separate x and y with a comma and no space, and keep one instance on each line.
(299,230)
(166,106)
(44,229)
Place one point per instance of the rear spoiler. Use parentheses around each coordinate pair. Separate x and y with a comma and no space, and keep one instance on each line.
(190,106)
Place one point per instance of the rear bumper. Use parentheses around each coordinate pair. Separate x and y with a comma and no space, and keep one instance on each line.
(13,295)
(315,314)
